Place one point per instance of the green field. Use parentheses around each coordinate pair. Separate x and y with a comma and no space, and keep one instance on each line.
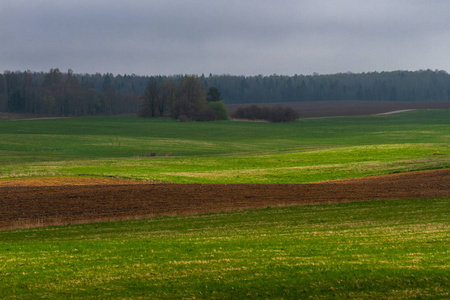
(226,152)
(367,250)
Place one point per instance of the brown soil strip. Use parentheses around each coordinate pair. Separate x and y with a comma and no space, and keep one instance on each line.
(40,205)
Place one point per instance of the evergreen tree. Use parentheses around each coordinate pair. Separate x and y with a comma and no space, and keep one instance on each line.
(213,95)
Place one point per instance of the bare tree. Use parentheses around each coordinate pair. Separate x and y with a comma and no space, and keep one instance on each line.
(167,94)
(151,98)
(191,97)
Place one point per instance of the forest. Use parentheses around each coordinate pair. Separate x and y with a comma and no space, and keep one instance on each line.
(57,93)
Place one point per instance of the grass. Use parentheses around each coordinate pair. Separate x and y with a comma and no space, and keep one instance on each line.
(365,250)
(376,249)
(226,152)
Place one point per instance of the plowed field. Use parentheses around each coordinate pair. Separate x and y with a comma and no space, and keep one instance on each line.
(45,201)
(314,109)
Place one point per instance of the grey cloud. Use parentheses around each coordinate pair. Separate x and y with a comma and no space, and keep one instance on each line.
(237,37)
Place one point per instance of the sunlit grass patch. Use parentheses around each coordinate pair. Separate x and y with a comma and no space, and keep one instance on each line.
(297,167)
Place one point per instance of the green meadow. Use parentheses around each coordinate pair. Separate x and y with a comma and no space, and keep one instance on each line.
(396,249)
(226,152)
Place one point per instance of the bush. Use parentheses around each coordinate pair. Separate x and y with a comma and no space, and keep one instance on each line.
(277,113)
(220,110)
(283,114)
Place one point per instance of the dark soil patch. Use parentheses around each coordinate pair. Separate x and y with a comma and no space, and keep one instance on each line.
(34,204)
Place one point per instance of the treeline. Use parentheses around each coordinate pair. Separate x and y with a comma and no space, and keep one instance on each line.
(67,94)
(407,86)
(59,93)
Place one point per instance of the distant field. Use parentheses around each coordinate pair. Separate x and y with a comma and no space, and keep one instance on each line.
(320,109)
(226,152)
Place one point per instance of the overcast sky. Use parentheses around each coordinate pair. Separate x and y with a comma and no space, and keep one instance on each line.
(238,37)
